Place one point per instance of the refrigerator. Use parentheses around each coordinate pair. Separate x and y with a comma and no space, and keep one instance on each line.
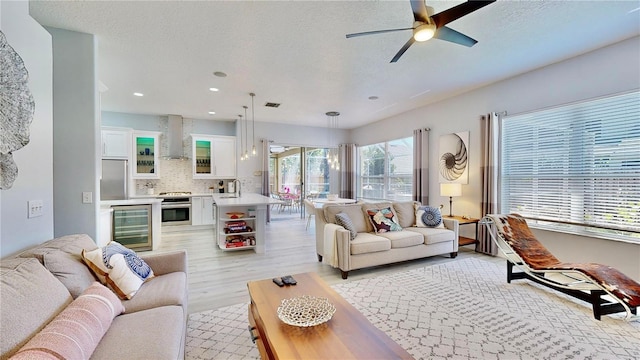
(115,179)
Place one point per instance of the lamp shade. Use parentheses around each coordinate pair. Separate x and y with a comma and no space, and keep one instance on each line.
(451,189)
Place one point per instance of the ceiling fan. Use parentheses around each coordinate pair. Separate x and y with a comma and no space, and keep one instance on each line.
(426,25)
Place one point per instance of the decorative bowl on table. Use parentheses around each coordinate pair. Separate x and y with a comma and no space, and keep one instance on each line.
(332,197)
(235,215)
(305,311)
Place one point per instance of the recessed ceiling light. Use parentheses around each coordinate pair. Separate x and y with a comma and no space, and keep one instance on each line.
(220,74)
(214,89)
(212,112)
(373,98)
(138,94)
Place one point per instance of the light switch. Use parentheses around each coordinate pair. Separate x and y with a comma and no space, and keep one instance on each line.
(87,197)
(34,208)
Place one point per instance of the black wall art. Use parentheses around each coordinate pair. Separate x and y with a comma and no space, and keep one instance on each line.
(16,110)
(453,162)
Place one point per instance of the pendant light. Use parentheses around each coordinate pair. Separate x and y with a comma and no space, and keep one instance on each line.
(241,137)
(253,125)
(332,129)
(246,134)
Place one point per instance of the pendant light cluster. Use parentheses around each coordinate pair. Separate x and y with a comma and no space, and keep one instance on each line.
(244,132)
(332,128)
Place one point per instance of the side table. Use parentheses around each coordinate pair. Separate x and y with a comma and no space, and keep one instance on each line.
(462,241)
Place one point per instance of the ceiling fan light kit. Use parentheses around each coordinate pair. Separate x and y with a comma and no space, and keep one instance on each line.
(424,32)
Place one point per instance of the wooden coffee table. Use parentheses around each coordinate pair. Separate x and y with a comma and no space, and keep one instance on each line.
(348,335)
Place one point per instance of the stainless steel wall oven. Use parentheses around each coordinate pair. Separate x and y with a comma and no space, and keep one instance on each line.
(176,210)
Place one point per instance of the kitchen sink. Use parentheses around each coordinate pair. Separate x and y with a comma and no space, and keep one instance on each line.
(228,197)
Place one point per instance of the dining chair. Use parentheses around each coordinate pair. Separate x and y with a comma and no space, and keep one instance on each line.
(310,208)
(287,201)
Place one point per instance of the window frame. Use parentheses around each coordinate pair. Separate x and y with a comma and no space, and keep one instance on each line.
(387,176)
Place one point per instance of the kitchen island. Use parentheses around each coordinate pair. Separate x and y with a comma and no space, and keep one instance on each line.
(246,229)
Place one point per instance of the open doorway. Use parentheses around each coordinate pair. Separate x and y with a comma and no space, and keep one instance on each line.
(296,173)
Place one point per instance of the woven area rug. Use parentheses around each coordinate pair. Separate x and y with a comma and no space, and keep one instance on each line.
(462,309)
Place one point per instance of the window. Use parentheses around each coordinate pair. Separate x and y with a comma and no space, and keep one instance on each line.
(317,172)
(386,170)
(576,167)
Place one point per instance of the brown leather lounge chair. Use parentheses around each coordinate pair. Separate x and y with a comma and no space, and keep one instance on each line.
(607,289)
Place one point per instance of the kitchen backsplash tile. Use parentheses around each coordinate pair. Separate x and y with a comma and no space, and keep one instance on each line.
(177,175)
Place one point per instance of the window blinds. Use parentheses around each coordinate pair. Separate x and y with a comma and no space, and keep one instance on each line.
(575,164)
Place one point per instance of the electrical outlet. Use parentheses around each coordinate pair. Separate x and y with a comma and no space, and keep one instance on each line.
(87,197)
(34,208)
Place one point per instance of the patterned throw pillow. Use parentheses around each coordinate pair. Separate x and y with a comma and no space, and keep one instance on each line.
(428,216)
(344,220)
(383,220)
(119,268)
(76,331)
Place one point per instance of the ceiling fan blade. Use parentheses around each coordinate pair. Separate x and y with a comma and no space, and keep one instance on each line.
(403,49)
(376,32)
(456,12)
(419,10)
(448,34)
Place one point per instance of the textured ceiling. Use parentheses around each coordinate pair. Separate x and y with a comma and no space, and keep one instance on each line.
(295,53)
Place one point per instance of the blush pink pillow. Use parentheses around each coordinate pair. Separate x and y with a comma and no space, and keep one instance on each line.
(77,330)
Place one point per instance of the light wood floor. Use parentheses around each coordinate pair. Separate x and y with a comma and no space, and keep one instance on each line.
(218,278)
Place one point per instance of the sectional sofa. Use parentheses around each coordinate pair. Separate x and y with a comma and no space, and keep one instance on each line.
(362,246)
(46,288)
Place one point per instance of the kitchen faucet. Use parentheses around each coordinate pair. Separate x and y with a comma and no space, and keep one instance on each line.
(236,185)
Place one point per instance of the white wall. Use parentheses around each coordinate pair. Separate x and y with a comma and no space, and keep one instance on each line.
(76,132)
(609,70)
(35,170)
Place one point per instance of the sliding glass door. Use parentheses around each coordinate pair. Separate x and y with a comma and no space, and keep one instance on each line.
(300,172)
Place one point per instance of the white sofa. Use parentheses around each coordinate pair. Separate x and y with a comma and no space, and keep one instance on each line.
(335,247)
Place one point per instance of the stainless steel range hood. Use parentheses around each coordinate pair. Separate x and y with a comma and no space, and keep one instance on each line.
(175,140)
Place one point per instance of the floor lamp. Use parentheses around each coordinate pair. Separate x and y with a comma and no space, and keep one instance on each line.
(450,190)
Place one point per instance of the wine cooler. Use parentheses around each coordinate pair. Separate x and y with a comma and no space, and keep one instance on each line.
(132,226)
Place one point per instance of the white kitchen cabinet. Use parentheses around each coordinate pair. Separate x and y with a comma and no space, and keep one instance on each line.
(201,210)
(145,156)
(213,157)
(115,143)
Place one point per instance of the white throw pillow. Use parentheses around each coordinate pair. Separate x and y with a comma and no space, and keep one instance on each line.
(119,268)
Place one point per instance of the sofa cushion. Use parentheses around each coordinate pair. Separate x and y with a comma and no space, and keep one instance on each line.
(366,243)
(70,270)
(71,244)
(119,268)
(163,290)
(77,330)
(149,334)
(373,206)
(383,220)
(354,212)
(30,297)
(406,213)
(434,235)
(401,239)
(428,216)
(344,220)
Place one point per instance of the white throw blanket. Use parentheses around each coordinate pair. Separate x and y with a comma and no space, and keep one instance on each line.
(331,244)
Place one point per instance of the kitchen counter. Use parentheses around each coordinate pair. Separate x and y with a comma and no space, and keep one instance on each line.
(156,196)
(223,200)
(130,201)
